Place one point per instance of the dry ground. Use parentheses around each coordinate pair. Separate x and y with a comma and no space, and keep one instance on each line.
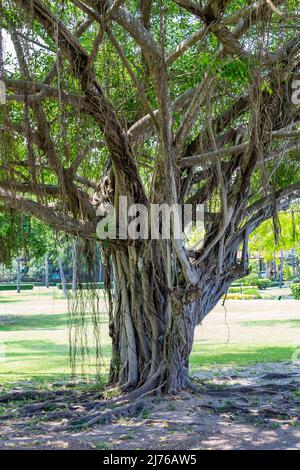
(256,407)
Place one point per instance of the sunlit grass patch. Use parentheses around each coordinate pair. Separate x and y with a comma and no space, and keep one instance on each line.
(293,323)
(237,354)
(34,340)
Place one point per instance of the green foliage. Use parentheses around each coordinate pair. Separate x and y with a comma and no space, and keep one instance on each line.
(263,241)
(266,86)
(287,272)
(254,280)
(243,290)
(263,283)
(243,296)
(296,291)
(243,293)
(274,284)
(22,235)
(251,280)
(4,287)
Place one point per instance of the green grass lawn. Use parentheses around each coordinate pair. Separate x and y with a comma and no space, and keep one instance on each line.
(209,355)
(34,342)
(32,295)
(294,323)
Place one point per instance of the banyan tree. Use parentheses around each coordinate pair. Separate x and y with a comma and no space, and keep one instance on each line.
(164,102)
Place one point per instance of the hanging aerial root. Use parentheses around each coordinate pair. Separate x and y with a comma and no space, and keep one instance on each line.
(85,310)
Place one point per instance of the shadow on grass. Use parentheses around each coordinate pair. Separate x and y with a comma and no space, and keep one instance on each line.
(36,360)
(33,322)
(35,348)
(36,322)
(40,348)
(11,380)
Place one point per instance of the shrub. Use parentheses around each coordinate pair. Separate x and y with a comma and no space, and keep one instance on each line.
(84,285)
(251,280)
(296,291)
(274,284)
(254,280)
(251,290)
(288,272)
(243,296)
(263,283)
(296,280)
(235,290)
(42,284)
(14,287)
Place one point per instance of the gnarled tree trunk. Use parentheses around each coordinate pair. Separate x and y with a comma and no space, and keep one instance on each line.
(153,319)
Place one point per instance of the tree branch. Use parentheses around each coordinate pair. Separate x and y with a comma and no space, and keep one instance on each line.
(58,221)
(98,107)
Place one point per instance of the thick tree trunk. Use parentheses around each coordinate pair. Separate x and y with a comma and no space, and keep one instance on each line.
(153,319)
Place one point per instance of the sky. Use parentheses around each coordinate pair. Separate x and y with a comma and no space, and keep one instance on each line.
(8,45)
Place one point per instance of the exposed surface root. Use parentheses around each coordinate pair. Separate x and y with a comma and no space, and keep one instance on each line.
(230,391)
(42,406)
(235,409)
(26,395)
(108,415)
(192,387)
(58,415)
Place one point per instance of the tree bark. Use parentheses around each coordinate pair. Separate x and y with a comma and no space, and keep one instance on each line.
(152,322)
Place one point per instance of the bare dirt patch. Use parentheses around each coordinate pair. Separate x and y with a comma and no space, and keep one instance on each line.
(255,407)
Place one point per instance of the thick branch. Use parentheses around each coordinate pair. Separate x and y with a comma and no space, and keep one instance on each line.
(59,221)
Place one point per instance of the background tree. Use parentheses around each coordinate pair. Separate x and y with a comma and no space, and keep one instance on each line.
(270,246)
(175,101)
